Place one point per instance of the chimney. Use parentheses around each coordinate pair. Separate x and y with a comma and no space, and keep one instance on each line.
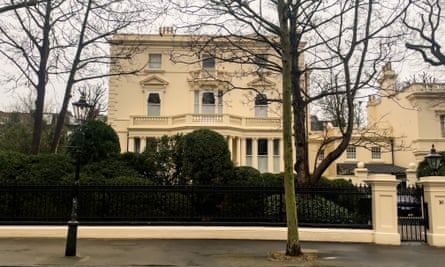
(166,31)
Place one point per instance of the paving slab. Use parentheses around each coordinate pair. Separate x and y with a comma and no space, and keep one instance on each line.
(213,253)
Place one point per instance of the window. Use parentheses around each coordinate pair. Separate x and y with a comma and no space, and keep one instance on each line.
(262,155)
(208,62)
(154,61)
(206,102)
(154,104)
(137,145)
(351,152)
(261,61)
(249,152)
(276,155)
(321,155)
(376,152)
(442,125)
(261,105)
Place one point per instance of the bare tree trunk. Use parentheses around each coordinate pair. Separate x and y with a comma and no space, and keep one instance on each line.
(293,247)
(69,85)
(41,86)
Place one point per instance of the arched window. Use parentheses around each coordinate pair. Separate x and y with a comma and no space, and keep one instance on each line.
(154,104)
(261,105)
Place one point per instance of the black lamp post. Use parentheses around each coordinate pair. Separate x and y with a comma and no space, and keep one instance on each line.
(82,111)
(434,160)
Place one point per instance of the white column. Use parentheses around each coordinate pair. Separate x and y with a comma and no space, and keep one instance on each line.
(238,151)
(434,193)
(143,143)
(255,153)
(384,208)
(130,144)
(230,145)
(270,154)
(243,151)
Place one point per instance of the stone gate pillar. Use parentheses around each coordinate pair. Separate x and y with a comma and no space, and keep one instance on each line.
(384,208)
(434,193)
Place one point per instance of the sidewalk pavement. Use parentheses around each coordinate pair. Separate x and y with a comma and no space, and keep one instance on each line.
(197,246)
(23,251)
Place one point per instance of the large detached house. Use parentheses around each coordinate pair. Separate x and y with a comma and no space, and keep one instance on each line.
(167,97)
(171,95)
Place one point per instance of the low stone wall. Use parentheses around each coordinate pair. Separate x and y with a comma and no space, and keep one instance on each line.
(190,232)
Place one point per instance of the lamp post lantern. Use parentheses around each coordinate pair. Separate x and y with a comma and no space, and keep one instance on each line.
(81,110)
(433,159)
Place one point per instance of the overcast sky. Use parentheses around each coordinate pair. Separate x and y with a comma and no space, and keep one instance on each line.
(413,64)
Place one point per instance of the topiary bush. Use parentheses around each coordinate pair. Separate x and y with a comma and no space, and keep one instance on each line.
(206,157)
(94,141)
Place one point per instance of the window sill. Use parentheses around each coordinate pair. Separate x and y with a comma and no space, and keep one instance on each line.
(147,71)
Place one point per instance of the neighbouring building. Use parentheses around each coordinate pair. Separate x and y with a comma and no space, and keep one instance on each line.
(415,113)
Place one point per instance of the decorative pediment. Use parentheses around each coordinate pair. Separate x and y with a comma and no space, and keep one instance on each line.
(153,82)
(207,79)
(262,83)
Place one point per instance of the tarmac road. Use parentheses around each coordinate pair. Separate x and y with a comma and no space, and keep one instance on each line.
(213,253)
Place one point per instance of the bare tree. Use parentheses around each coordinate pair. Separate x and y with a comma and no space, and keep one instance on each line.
(65,41)
(346,41)
(425,20)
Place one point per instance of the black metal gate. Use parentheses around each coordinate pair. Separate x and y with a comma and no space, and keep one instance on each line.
(412,214)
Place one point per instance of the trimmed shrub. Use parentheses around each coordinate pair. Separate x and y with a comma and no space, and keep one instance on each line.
(206,157)
(95,141)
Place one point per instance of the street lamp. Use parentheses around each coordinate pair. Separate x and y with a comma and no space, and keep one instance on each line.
(433,159)
(82,111)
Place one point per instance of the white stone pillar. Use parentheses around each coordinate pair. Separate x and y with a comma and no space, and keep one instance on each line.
(230,145)
(131,144)
(238,151)
(411,175)
(143,143)
(270,154)
(360,173)
(243,151)
(384,208)
(255,153)
(434,193)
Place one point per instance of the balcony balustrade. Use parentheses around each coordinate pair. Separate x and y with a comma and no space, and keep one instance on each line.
(217,120)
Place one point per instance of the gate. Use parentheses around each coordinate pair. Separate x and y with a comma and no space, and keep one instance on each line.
(412,214)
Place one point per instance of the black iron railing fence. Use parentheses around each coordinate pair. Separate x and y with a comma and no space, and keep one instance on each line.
(318,206)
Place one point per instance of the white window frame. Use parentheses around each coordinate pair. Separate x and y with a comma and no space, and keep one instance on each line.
(261,109)
(351,152)
(201,108)
(154,104)
(321,155)
(263,154)
(376,153)
(154,64)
